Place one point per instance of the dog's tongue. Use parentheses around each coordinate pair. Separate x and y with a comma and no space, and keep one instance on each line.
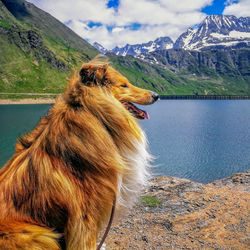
(146,115)
(138,113)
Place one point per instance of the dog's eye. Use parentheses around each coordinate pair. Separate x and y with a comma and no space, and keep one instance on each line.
(124,86)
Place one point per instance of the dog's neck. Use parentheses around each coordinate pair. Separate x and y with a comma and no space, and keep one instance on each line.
(129,139)
(119,122)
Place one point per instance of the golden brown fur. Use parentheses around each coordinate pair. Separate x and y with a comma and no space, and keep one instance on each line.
(64,174)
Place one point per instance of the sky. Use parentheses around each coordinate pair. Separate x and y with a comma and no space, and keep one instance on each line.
(119,22)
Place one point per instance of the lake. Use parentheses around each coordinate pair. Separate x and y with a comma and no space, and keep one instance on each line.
(202,140)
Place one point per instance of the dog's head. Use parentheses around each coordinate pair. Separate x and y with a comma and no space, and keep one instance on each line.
(103,75)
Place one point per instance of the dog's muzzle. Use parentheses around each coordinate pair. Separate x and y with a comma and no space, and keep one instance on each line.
(154,96)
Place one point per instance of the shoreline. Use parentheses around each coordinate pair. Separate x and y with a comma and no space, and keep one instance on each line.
(28,101)
(48,100)
(205,97)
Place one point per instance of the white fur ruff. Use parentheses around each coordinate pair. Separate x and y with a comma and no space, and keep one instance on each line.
(131,183)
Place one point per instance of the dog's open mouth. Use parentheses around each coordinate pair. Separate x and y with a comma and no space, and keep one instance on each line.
(136,112)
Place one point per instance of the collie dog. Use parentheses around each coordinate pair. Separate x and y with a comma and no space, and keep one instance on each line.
(58,189)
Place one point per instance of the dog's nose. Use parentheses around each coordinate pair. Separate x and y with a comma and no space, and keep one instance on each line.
(154,96)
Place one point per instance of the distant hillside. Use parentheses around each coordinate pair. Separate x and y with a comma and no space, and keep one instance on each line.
(166,80)
(216,71)
(184,72)
(37,52)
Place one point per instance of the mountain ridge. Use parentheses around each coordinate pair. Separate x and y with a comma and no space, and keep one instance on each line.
(160,43)
(215,31)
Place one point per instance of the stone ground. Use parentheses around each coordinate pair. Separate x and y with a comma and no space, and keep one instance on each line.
(192,216)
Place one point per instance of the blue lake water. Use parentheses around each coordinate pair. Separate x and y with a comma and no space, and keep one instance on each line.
(202,140)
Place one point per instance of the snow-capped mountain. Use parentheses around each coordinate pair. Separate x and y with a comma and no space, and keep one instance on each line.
(99,47)
(158,44)
(216,31)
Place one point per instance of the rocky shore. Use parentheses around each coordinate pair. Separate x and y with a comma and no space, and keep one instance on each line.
(188,215)
(28,101)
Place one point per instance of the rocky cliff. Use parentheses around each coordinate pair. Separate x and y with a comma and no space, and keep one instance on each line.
(225,62)
(180,214)
(31,43)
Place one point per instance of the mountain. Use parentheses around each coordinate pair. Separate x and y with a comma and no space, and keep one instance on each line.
(181,72)
(35,18)
(216,31)
(37,52)
(100,48)
(158,44)
(227,63)
(211,59)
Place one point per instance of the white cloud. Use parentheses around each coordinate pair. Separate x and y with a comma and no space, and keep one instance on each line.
(238,9)
(117,29)
(87,10)
(156,18)
(159,12)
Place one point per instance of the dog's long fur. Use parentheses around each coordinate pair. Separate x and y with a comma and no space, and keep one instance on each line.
(64,175)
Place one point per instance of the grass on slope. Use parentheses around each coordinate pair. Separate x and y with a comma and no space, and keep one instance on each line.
(183,83)
(20,72)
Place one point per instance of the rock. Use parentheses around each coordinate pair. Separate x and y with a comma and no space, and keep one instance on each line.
(30,42)
(144,238)
(35,40)
(200,63)
(192,215)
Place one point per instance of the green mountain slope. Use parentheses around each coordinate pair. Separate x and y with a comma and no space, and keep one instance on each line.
(166,78)
(52,30)
(37,52)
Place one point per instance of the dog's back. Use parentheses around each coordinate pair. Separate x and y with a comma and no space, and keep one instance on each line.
(26,236)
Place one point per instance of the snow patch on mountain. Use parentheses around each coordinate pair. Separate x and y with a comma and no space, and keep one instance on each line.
(160,43)
(99,47)
(232,34)
(216,30)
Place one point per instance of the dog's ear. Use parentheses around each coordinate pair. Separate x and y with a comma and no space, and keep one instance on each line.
(92,75)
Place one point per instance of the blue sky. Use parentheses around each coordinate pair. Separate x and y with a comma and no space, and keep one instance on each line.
(216,8)
(118,22)
(113,3)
